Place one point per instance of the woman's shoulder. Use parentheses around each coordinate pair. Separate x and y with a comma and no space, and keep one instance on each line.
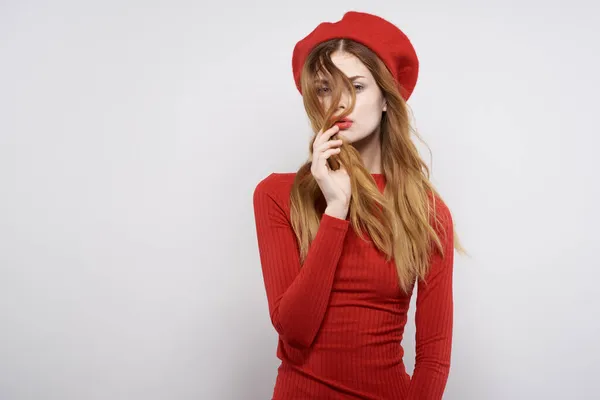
(440,215)
(277,185)
(437,204)
(276,180)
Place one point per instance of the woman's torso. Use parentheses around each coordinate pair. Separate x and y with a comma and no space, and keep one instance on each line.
(357,352)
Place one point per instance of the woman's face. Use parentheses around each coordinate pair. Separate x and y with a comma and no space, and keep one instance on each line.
(370,103)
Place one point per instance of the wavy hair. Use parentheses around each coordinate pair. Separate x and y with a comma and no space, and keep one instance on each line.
(402,221)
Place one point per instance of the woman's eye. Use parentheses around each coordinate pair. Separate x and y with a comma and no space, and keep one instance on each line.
(324,89)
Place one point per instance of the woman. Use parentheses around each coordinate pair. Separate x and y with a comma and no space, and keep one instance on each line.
(343,241)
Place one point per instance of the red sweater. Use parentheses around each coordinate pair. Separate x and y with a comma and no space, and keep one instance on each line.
(341,317)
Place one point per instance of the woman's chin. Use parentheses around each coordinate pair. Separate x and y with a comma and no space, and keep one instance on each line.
(346,135)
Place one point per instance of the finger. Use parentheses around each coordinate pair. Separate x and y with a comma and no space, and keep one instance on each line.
(329,144)
(319,134)
(330,132)
(328,153)
(325,136)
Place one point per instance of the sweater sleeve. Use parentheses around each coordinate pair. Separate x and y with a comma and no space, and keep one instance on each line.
(297,296)
(434,318)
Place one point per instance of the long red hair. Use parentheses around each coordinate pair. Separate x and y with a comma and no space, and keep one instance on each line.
(404,221)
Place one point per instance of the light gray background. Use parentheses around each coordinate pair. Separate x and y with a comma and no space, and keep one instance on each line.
(132,134)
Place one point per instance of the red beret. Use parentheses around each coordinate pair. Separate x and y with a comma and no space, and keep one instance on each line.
(381,36)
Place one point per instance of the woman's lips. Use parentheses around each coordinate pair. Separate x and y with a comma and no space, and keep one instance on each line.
(344,124)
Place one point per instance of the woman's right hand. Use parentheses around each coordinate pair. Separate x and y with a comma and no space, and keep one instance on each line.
(335,185)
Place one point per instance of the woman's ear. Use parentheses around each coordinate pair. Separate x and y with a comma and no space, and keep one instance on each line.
(384,106)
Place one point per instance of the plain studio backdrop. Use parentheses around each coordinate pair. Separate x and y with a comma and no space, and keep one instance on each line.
(133,133)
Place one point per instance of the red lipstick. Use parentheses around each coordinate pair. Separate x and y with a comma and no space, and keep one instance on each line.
(344,123)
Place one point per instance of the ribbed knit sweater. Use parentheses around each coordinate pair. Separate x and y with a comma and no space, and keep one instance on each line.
(341,315)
